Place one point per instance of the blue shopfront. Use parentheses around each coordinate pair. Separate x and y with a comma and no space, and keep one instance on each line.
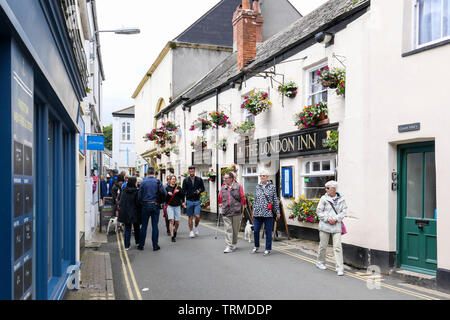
(40,89)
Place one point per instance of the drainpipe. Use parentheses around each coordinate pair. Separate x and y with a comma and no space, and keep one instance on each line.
(217,158)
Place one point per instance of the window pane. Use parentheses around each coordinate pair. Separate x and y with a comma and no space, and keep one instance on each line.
(430,16)
(128,128)
(316,166)
(307,170)
(250,184)
(123,127)
(430,185)
(317,182)
(414,185)
(314,193)
(326,166)
(128,137)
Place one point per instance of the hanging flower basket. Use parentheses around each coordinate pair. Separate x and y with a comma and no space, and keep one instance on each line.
(333,79)
(244,129)
(311,115)
(171,169)
(222,144)
(199,144)
(156,154)
(167,151)
(170,126)
(211,175)
(257,102)
(289,90)
(303,210)
(204,200)
(219,119)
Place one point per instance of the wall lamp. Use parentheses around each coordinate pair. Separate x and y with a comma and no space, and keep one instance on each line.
(236,84)
(122,31)
(326,38)
(184,107)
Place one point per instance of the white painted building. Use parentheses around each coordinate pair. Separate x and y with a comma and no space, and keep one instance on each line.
(393,149)
(123,141)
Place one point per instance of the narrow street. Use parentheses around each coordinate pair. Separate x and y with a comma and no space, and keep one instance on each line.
(197,269)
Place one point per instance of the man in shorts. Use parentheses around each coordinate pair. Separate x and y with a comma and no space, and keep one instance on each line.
(192,187)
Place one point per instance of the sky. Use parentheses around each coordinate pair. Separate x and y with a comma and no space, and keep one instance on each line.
(126,58)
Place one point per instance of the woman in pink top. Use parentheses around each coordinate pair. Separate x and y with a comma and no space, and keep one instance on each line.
(231,200)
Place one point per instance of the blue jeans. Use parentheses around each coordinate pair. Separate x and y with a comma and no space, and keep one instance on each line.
(268,222)
(149,210)
(127,234)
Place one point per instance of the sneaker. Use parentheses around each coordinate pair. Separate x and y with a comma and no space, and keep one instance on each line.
(126,249)
(196,231)
(321,266)
(227,250)
(255,250)
(340,273)
(233,248)
(267,252)
(191,234)
(173,239)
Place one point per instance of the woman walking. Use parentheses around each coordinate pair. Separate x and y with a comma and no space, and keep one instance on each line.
(130,211)
(265,203)
(174,201)
(231,200)
(331,211)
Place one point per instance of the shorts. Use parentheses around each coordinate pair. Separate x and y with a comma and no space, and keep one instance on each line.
(192,207)
(174,213)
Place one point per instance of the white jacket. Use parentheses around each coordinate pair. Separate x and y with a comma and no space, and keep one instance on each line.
(325,211)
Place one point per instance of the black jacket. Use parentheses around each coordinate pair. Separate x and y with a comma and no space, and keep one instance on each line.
(130,207)
(178,199)
(189,189)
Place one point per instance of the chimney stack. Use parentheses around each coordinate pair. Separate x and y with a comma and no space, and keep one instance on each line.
(247,32)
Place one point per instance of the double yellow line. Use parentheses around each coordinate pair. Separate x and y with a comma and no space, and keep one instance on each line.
(124,258)
(353,275)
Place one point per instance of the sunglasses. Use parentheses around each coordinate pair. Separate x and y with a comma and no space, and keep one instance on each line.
(327,188)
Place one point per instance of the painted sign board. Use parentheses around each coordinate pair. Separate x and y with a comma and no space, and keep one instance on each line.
(95,143)
(22,109)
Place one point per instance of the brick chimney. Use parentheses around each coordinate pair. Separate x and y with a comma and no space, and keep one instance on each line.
(247,32)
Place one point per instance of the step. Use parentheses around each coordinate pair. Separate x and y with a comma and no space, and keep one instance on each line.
(416,278)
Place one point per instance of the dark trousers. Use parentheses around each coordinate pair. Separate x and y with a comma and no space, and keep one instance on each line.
(149,210)
(127,233)
(268,222)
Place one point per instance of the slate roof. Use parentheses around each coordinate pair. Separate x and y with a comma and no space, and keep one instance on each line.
(125,111)
(214,27)
(305,28)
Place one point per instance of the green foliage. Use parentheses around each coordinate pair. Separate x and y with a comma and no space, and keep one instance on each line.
(107,133)
(333,141)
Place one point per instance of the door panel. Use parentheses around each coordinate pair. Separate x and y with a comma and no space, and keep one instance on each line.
(417,207)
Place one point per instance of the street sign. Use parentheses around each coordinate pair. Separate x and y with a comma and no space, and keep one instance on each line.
(95,143)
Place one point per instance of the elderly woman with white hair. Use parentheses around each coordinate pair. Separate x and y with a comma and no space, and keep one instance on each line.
(265,199)
(331,211)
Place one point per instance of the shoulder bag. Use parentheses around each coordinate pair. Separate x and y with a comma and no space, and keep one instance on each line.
(344,229)
(173,195)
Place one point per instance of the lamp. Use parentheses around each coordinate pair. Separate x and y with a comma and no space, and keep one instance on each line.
(122,31)
(236,84)
(326,38)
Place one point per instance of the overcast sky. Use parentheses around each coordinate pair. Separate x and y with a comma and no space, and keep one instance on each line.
(127,58)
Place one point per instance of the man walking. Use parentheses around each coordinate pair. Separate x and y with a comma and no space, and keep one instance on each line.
(192,187)
(150,195)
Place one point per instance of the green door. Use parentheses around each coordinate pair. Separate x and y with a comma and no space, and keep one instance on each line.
(417,207)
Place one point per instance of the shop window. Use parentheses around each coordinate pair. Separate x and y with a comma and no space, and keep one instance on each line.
(432,21)
(316,92)
(250,175)
(316,172)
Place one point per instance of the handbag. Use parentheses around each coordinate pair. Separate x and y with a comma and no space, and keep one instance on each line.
(270,206)
(344,229)
(173,195)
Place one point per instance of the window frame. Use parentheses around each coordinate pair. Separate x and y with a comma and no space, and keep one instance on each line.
(320,173)
(417,27)
(309,94)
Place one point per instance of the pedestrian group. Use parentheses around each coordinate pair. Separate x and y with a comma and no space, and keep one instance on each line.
(138,201)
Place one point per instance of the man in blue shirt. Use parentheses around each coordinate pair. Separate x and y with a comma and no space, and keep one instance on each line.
(148,196)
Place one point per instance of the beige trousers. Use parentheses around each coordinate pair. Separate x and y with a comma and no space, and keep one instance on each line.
(337,248)
(232,225)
